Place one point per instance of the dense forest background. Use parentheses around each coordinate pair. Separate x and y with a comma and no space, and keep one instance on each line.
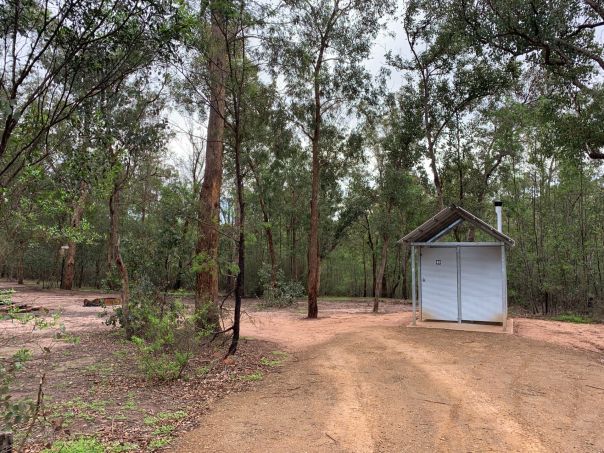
(111,112)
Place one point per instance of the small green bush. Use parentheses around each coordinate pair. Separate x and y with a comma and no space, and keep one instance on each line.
(164,335)
(283,294)
(6,296)
(81,445)
(166,348)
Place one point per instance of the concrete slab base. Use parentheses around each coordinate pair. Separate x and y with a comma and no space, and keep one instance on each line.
(466,326)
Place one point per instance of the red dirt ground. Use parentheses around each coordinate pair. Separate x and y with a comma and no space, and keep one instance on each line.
(355,381)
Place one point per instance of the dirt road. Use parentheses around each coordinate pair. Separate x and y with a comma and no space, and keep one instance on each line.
(360,382)
(392,389)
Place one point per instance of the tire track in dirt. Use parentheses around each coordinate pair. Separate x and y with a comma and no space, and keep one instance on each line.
(347,422)
(392,389)
(471,409)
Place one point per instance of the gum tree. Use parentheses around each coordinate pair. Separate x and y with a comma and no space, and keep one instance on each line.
(319,47)
(54,55)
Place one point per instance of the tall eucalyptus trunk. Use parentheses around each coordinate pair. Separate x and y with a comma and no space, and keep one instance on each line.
(206,285)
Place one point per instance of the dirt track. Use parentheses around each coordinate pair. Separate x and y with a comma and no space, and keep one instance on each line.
(391,388)
(360,382)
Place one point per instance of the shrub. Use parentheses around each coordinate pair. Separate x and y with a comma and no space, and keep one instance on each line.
(283,294)
(163,333)
(13,411)
(6,296)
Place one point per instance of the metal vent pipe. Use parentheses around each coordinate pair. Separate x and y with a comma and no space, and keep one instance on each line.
(498,205)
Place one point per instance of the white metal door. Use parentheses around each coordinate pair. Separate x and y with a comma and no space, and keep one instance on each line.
(481,284)
(439,283)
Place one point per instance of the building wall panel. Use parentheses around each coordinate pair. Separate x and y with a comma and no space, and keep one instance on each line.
(481,284)
(439,284)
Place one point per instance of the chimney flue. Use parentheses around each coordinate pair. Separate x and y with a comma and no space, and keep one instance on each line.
(498,205)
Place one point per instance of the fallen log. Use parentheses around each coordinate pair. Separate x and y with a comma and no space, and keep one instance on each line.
(21,308)
(102,302)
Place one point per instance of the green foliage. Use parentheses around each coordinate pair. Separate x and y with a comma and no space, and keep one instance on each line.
(80,445)
(284,294)
(164,416)
(158,443)
(574,318)
(270,362)
(6,296)
(163,430)
(253,377)
(19,411)
(121,447)
(165,336)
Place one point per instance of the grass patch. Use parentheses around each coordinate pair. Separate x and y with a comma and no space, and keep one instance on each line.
(118,447)
(130,403)
(204,370)
(163,430)
(279,353)
(103,370)
(577,319)
(120,354)
(270,362)
(253,377)
(158,443)
(79,408)
(81,445)
(164,416)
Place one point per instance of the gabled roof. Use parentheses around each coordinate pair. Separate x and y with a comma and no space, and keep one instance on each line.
(446,220)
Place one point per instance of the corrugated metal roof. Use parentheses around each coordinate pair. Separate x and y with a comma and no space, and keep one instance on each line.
(448,218)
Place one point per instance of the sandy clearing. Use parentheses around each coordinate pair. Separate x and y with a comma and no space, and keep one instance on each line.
(385,389)
(358,381)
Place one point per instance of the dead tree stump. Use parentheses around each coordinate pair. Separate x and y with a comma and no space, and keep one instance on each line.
(6,442)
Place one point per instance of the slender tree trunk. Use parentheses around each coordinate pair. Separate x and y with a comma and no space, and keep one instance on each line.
(430,139)
(232,279)
(206,286)
(97,273)
(380,275)
(20,263)
(178,281)
(113,206)
(121,267)
(115,253)
(364,272)
(271,249)
(76,219)
(373,261)
(81,276)
(313,241)
(405,270)
(241,250)
(268,229)
(294,255)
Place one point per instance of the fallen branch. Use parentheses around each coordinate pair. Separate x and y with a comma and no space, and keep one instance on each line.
(594,387)
(39,401)
(335,441)
(435,402)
